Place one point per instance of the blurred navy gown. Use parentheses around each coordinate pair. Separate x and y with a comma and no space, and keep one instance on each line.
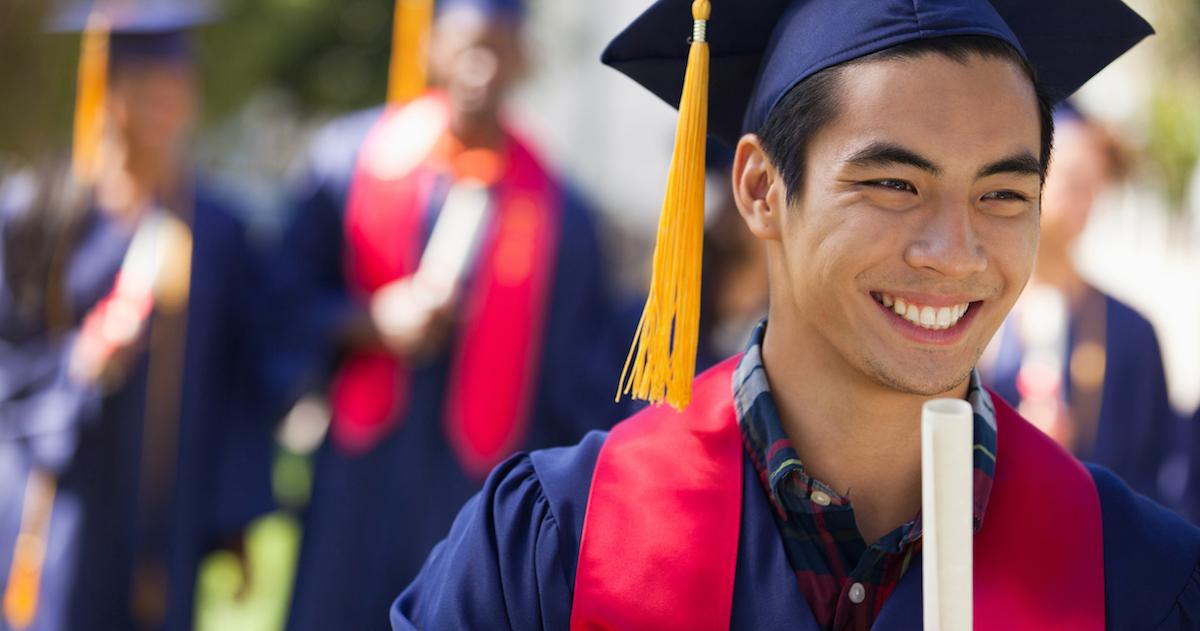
(1191,496)
(373,518)
(93,441)
(1136,423)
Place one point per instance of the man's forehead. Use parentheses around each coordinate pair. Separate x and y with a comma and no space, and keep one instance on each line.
(934,105)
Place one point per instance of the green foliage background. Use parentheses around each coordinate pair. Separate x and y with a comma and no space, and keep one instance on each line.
(1173,136)
(329,55)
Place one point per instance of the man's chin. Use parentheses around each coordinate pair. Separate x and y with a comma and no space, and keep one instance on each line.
(916,382)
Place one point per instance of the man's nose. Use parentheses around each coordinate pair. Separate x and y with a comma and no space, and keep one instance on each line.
(947,243)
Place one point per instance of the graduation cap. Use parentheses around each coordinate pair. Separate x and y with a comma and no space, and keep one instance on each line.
(138,29)
(498,9)
(412,23)
(116,31)
(755,52)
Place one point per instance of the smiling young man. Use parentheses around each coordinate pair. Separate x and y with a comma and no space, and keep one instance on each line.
(890,157)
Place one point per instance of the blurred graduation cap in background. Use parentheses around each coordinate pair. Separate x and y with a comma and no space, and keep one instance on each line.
(755,52)
(137,29)
(114,32)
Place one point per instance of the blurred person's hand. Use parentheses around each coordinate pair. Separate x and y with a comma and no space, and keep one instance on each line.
(104,362)
(413,316)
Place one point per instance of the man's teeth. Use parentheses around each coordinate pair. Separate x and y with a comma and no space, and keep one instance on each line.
(934,318)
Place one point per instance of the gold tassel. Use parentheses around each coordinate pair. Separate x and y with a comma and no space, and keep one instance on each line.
(90,95)
(662,361)
(410,49)
(23,591)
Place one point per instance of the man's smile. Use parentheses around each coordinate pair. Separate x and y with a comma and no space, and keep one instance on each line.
(928,319)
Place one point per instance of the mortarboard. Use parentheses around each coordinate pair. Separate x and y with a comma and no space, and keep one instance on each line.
(755,51)
(503,9)
(138,29)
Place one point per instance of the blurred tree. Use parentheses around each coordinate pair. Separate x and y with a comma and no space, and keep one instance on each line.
(328,55)
(34,80)
(1173,141)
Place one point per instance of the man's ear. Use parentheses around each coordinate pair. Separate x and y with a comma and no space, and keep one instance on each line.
(758,189)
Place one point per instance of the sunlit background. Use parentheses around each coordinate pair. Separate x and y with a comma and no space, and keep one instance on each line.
(276,70)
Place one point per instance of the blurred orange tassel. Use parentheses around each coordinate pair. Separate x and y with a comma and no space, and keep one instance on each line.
(90,95)
(410,50)
(23,591)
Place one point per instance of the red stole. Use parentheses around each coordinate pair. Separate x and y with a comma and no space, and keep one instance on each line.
(497,346)
(659,546)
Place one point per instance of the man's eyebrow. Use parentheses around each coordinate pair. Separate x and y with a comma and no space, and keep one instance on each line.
(1023,163)
(886,153)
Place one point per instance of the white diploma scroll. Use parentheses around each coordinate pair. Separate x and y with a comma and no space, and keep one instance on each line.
(946,514)
(457,235)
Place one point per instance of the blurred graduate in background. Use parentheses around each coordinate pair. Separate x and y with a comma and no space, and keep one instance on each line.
(1082,365)
(447,288)
(1190,502)
(129,444)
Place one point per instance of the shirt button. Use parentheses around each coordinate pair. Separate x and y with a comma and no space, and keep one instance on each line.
(858,593)
(821,499)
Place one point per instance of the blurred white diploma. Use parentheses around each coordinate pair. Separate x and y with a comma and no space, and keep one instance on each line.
(400,307)
(456,237)
(946,514)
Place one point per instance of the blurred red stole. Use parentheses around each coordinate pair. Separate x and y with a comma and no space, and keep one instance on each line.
(660,537)
(498,339)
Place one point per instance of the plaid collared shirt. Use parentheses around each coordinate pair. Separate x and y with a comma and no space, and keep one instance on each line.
(845,580)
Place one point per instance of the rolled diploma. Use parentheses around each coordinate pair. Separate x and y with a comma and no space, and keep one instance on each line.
(457,236)
(946,513)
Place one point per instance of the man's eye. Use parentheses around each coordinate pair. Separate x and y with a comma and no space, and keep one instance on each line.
(894,185)
(1006,196)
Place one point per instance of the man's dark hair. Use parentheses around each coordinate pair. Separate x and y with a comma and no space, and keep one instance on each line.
(812,104)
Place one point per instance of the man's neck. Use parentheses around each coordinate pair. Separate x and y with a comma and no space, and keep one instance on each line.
(477,131)
(852,433)
(135,183)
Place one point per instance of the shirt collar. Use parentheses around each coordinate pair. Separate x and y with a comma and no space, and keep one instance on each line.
(771,451)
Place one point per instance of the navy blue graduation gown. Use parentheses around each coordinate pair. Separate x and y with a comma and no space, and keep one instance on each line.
(1136,423)
(1191,496)
(373,518)
(509,561)
(92,442)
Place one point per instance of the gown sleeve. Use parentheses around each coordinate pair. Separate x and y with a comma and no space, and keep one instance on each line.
(41,409)
(1151,561)
(47,414)
(499,568)
(1159,422)
(510,558)
(1185,615)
